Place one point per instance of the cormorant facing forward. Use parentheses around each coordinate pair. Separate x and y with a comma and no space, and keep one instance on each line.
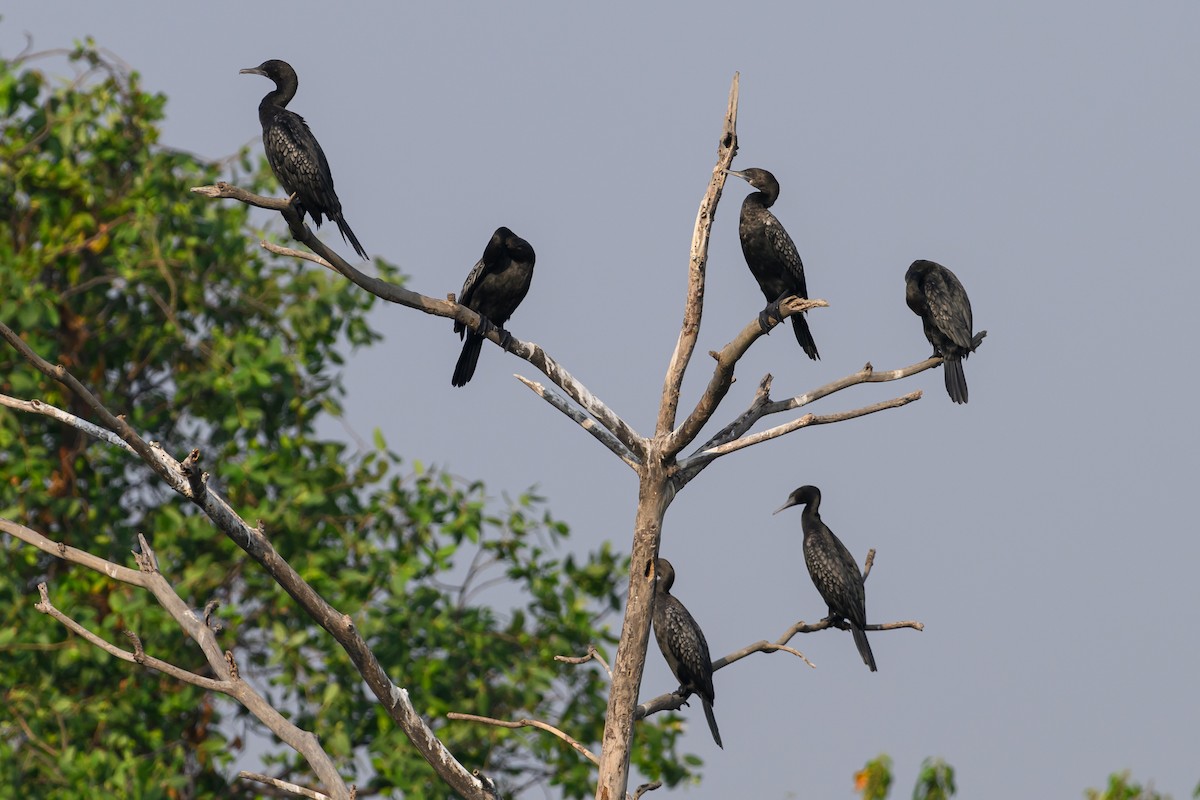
(293,152)
(771,254)
(497,284)
(682,644)
(935,294)
(833,570)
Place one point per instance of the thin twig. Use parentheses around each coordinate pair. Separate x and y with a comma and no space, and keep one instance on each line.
(600,433)
(806,421)
(528,723)
(762,406)
(286,786)
(592,655)
(673,701)
(292,252)
(45,409)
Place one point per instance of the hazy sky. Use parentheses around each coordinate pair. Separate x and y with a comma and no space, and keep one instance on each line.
(1047,153)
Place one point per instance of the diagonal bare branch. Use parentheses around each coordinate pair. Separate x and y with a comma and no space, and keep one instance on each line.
(392,293)
(698,260)
(673,701)
(393,698)
(528,723)
(586,422)
(762,405)
(221,663)
(803,422)
(722,377)
(45,409)
(287,786)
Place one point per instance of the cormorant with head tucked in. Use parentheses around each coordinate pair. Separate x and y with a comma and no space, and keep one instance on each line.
(771,254)
(295,156)
(495,287)
(682,644)
(935,294)
(832,569)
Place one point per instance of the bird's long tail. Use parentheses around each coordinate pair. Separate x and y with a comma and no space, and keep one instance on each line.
(864,647)
(956,381)
(465,368)
(348,235)
(712,723)
(804,336)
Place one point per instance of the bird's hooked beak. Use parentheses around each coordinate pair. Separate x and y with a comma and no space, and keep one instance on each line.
(788,504)
(251,71)
(734,172)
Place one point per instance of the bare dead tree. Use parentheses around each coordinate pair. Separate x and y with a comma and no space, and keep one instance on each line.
(656,459)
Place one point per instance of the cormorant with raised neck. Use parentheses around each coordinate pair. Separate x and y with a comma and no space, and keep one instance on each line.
(832,569)
(495,287)
(682,644)
(771,254)
(295,157)
(935,294)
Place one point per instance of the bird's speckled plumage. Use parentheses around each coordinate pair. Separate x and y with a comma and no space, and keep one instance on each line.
(935,294)
(682,644)
(832,569)
(770,252)
(294,154)
(494,288)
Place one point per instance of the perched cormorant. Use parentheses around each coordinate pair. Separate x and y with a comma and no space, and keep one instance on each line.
(497,284)
(832,569)
(935,294)
(771,254)
(295,156)
(682,644)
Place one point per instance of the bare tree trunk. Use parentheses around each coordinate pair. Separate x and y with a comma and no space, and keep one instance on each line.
(654,495)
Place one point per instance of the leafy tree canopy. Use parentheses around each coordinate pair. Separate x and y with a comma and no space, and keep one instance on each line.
(174,317)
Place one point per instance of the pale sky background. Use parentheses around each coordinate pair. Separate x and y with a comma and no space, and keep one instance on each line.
(1047,153)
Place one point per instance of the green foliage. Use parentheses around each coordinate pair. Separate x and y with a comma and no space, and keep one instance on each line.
(160,302)
(1120,787)
(935,781)
(874,780)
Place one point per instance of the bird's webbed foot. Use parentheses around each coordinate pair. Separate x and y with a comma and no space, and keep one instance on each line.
(486,326)
(772,311)
(837,621)
(505,338)
(683,693)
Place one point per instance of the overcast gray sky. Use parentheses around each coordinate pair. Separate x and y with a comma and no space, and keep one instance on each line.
(1044,152)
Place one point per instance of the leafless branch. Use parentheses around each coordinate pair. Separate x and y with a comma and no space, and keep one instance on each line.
(592,655)
(806,421)
(698,260)
(528,723)
(722,377)
(673,701)
(394,699)
(870,562)
(45,409)
(291,252)
(601,434)
(392,293)
(762,405)
(646,787)
(287,786)
(221,663)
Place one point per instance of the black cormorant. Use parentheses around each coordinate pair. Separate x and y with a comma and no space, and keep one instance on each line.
(682,644)
(771,254)
(833,570)
(295,156)
(935,294)
(496,286)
